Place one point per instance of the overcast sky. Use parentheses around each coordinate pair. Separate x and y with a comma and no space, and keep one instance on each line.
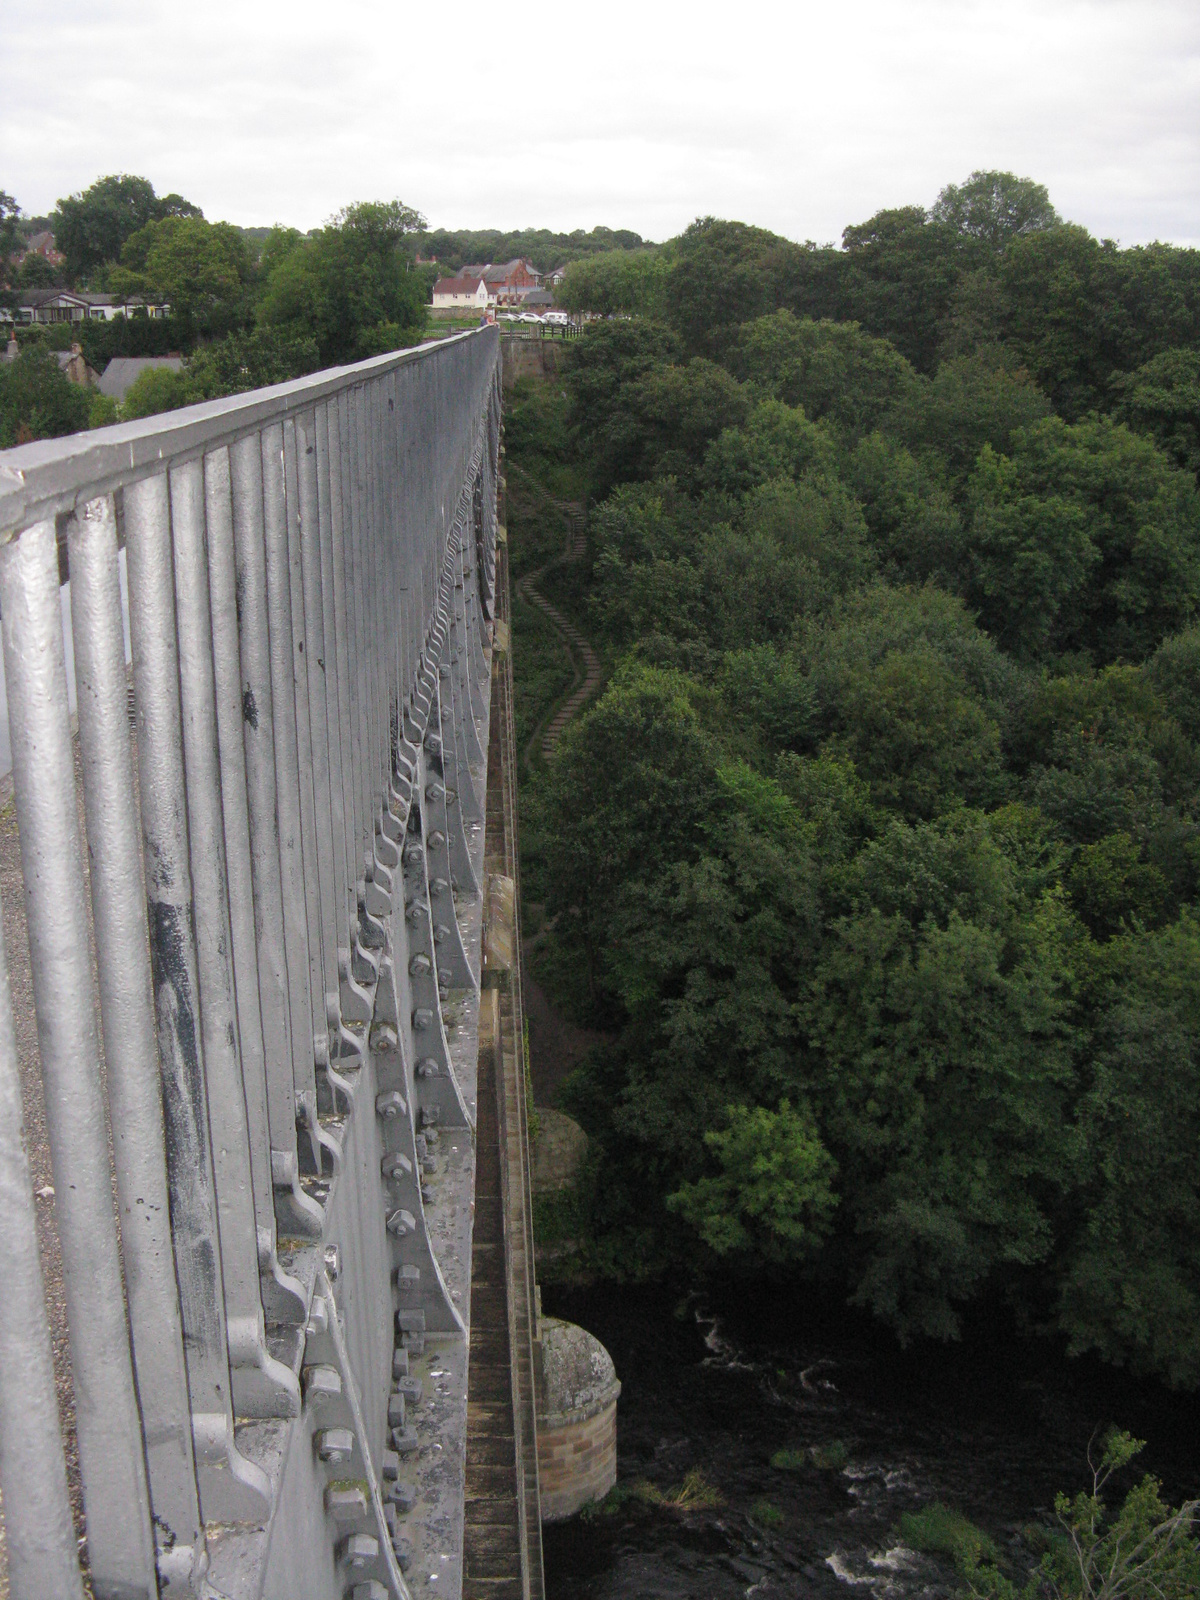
(800,117)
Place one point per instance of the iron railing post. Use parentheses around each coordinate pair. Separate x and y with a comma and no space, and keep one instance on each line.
(40,1536)
(130,1040)
(116,1500)
(231,1488)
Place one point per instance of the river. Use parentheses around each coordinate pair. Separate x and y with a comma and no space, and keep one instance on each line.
(992,1427)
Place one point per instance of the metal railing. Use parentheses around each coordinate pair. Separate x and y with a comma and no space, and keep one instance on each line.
(256,614)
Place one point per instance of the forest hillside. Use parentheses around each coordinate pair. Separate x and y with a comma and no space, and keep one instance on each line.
(875,866)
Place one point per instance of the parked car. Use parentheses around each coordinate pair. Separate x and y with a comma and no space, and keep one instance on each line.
(557,319)
(509,316)
(529,316)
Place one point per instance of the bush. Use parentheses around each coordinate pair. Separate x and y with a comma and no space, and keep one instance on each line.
(766,1515)
(940,1530)
(158,389)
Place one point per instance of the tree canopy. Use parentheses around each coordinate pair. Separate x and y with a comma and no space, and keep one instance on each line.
(876,866)
(91,227)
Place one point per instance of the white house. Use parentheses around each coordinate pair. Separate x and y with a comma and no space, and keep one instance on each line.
(68,305)
(466,294)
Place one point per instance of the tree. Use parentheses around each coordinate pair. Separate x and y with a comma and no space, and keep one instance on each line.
(899,271)
(970,401)
(279,243)
(774,441)
(244,361)
(918,735)
(35,272)
(1063,313)
(37,401)
(832,369)
(939,1025)
(773,1197)
(615,281)
(995,207)
(453,248)
(722,274)
(1146,1551)
(202,269)
(1025,558)
(155,390)
(1131,1284)
(1085,539)
(910,516)
(10,233)
(348,280)
(90,228)
(1162,399)
(1174,670)
(678,412)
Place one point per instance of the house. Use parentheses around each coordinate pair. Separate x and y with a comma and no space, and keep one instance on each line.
(42,244)
(557,276)
(464,293)
(508,283)
(70,305)
(121,372)
(73,365)
(104,307)
(52,305)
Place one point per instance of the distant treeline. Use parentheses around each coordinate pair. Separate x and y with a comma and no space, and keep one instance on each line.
(454,248)
(983,266)
(878,862)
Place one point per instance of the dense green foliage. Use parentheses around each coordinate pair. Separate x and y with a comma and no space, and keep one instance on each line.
(351,288)
(92,228)
(453,248)
(989,267)
(878,861)
(36,401)
(247,306)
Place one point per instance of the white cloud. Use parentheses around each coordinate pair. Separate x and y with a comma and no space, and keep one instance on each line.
(801,117)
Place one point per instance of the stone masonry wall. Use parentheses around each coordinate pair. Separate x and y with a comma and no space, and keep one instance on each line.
(577,1463)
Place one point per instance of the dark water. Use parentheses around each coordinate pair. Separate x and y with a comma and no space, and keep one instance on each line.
(992,1427)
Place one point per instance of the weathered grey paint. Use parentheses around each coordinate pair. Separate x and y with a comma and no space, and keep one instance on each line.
(301,564)
(42,1563)
(110,1442)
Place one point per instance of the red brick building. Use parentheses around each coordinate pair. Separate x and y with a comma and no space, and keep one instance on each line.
(507,283)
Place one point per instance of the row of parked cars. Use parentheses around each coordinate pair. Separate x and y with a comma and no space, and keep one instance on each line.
(550,319)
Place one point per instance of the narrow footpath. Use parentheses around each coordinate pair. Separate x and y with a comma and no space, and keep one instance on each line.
(584,661)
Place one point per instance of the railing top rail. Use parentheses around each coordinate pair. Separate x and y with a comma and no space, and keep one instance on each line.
(41,479)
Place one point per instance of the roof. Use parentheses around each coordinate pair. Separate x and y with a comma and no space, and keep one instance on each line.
(493,272)
(33,298)
(121,371)
(461,285)
(537,297)
(65,359)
